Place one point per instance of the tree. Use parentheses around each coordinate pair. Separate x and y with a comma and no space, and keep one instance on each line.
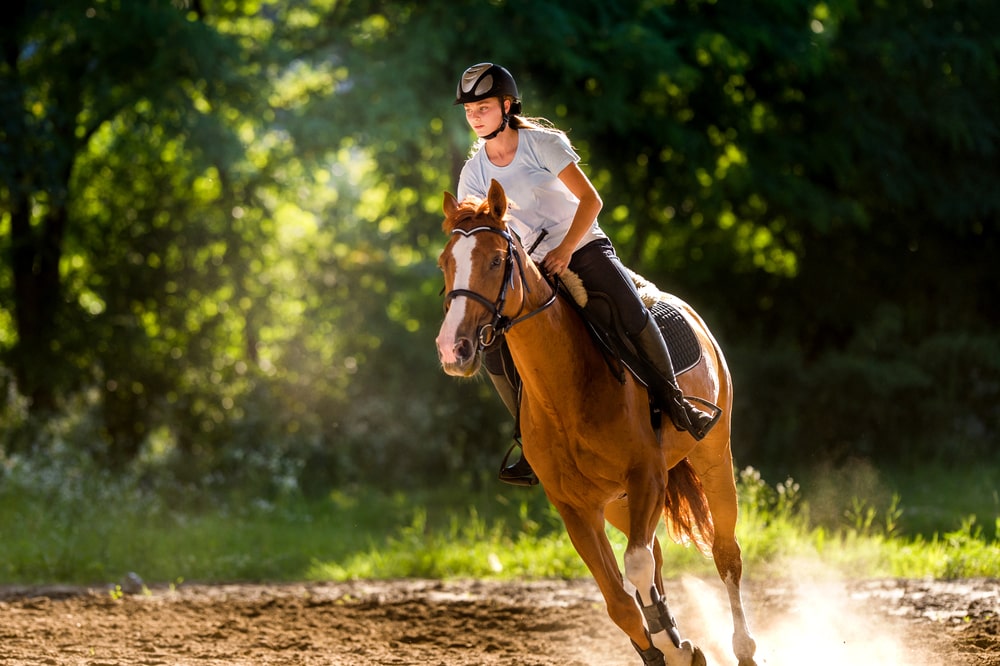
(75,72)
(222,218)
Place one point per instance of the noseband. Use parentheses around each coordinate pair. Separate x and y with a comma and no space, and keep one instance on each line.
(489,333)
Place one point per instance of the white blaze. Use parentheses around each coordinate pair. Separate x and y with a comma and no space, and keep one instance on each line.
(461,251)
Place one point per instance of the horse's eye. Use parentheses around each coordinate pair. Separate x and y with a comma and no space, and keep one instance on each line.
(497,261)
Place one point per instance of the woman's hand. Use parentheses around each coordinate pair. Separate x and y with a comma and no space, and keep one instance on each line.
(556,261)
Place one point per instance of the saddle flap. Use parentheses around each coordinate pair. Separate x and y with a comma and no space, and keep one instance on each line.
(685,352)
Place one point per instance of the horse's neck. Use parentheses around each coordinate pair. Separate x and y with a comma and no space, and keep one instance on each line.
(552,346)
(553,342)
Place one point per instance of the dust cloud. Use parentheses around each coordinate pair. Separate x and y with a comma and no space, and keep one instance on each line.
(816,621)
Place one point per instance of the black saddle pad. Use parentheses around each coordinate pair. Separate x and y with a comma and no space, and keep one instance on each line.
(685,352)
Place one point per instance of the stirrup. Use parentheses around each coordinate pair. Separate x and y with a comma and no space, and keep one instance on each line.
(518,473)
(699,432)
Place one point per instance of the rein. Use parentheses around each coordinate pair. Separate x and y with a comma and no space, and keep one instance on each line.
(489,333)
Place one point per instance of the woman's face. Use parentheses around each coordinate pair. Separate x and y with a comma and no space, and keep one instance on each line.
(484,116)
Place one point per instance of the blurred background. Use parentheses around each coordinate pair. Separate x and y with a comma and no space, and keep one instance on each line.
(219,222)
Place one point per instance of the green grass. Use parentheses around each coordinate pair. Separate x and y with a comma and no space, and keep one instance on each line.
(91,528)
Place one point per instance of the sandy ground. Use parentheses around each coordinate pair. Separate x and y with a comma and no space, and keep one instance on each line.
(542,623)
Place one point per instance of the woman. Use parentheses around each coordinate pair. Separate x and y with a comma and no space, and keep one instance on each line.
(554,209)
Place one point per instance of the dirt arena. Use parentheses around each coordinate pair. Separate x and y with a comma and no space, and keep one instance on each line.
(433,623)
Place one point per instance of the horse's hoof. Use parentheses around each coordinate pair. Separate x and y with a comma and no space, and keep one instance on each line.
(698,658)
(748,662)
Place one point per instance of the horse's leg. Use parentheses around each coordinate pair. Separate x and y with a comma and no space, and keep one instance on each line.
(616,513)
(646,489)
(713,461)
(586,531)
(658,559)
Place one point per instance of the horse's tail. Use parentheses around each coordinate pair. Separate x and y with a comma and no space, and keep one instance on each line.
(685,509)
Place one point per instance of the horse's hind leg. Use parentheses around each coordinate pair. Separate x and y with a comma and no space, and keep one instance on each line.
(715,469)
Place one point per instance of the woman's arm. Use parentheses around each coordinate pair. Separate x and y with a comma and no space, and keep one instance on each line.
(556,261)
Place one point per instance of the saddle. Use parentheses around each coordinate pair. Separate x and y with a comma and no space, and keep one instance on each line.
(681,341)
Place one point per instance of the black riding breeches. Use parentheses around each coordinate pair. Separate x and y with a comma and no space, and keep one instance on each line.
(612,297)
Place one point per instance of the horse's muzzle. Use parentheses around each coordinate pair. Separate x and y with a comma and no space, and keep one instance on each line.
(463,359)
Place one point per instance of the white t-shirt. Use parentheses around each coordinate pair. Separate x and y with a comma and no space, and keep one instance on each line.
(537,200)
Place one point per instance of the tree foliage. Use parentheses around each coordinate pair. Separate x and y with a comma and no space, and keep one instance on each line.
(220,219)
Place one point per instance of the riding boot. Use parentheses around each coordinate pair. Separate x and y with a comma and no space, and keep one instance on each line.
(518,473)
(662,384)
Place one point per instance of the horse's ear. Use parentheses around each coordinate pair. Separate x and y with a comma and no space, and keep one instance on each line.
(450,206)
(498,200)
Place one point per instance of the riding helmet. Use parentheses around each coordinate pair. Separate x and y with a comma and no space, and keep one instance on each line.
(487,80)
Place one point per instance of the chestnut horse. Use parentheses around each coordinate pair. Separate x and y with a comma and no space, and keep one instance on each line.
(589,438)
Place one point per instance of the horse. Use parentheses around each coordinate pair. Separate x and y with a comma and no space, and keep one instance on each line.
(589,436)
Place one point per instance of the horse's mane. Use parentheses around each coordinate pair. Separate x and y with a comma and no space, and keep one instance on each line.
(468,208)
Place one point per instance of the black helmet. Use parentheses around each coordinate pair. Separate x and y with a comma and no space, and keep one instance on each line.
(487,80)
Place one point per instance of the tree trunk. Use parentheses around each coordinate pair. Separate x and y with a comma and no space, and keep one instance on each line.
(35,260)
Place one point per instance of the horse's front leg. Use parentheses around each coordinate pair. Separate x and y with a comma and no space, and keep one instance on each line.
(646,494)
(586,530)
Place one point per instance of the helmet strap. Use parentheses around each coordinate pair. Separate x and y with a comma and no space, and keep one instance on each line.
(503,123)
(496,132)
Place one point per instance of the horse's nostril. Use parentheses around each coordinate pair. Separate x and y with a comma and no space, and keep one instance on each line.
(463,349)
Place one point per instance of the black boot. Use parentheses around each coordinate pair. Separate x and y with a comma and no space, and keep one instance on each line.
(663,384)
(518,473)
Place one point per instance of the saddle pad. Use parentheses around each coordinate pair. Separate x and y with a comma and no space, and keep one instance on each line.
(685,352)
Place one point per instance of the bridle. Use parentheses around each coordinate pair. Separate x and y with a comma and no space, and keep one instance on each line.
(489,333)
